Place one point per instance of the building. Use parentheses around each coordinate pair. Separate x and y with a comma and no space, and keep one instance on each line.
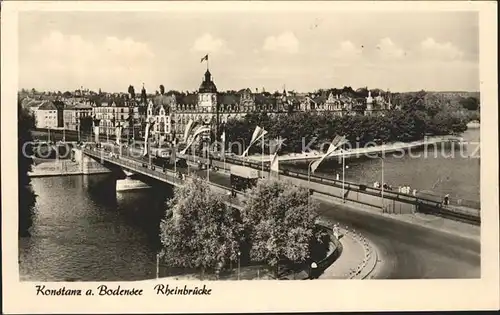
(47,115)
(74,112)
(158,112)
(111,116)
(172,111)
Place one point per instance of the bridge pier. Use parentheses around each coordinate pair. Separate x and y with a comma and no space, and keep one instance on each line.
(130,183)
(87,164)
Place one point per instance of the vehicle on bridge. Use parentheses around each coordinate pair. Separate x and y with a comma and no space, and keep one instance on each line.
(242,178)
(164,157)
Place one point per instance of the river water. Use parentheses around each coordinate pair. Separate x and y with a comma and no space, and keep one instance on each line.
(84,230)
(450,168)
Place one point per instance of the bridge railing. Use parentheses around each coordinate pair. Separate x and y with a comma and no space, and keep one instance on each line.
(169,176)
(164,174)
(390,194)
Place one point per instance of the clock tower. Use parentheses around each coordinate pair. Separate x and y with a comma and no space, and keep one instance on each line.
(207,94)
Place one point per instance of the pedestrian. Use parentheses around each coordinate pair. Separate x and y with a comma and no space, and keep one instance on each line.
(338,177)
(446,199)
(414,192)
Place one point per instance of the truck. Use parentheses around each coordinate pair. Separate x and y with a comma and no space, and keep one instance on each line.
(242,177)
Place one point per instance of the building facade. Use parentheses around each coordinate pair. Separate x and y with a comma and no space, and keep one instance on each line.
(172,111)
(48,115)
(73,113)
(112,116)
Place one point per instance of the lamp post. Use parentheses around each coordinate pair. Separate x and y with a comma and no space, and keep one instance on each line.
(239,255)
(157,265)
(309,180)
(78,122)
(313,269)
(262,157)
(382,183)
(344,167)
(208,160)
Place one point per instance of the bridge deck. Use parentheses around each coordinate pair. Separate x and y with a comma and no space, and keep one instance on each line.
(170,177)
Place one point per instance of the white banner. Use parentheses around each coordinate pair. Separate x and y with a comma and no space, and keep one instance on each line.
(146,138)
(198,131)
(189,126)
(336,142)
(257,134)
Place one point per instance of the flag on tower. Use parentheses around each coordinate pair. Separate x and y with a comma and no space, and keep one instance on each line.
(204,58)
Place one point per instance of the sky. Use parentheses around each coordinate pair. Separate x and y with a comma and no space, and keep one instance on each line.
(302,51)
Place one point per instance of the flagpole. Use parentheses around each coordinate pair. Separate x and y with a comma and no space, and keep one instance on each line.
(262,158)
(208,157)
(224,150)
(343,176)
(309,181)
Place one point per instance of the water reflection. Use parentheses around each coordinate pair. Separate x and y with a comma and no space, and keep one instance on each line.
(450,171)
(84,230)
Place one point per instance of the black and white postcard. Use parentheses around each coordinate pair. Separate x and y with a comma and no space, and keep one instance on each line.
(249,156)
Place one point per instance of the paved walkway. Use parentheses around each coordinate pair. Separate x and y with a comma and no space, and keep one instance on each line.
(351,256)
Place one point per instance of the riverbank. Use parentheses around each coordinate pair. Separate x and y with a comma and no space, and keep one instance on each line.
(60,167)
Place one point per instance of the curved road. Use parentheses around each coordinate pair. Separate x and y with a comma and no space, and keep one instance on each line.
(409,251)
(405,250)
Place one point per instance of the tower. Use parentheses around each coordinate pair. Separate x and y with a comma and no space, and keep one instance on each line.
(369,103)
(207,94)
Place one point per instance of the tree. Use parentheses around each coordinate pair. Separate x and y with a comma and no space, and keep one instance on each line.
(279,220)
(470,103)
(27,197)
(199,229)
(131,91)
(162,89)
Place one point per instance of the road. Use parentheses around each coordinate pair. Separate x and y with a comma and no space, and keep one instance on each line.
(406,251)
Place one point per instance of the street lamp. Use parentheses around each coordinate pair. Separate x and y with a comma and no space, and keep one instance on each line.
(382,183)
(313,269)
(157,265)
(262,157)
(344,167)
(309,179)
(239,255)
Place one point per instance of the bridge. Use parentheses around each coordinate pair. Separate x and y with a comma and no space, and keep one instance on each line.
(320,187)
